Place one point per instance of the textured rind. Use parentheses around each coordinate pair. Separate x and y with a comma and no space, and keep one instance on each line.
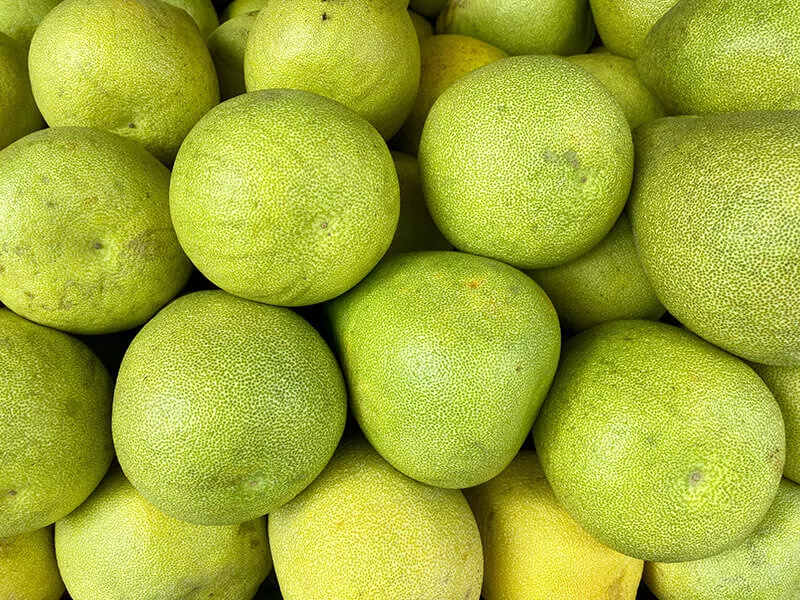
(28,569)
(225,409)
(364,530)
(118,546)
(623,25)
(201,11)
(527,160)
(19,115)
(660,445)
(227,46)
(784,382)
(715,210)
(20,18)
(448,357)
(237,8)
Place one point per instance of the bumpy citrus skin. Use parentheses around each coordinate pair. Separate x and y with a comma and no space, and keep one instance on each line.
(527,160)
(28,569)
(237,8)
(623,25)
(765,567)
(784,382)
(88,245)
(448,357)
(201,11)
(137,68)
(55,424)
(364,530)
(227,45)
(225,409)
(284,197)
(660,445)
(20,18)
(19,115)
(533,549)
(715,209)
(118,546)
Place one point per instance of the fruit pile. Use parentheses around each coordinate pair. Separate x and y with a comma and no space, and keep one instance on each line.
(318,304)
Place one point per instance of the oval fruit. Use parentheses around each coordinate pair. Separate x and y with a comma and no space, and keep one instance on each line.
(28,568)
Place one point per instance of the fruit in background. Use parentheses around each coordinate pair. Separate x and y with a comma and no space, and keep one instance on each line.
(520,27)
(28,569)
(448,357)
(765,567)
(423,27)
(20,18)
(284,197)
(714,209)
(227,45)
(226,409)
(427,8)
(527,160)
(659,444)
(624,24)
(137,68)
(87,245)
(444,60)
(605,284)
(118,546)
(19,115)
(203,13)
(55,424)
(237,8)
(784,382)
(532,549)
(362,53)
(363,529)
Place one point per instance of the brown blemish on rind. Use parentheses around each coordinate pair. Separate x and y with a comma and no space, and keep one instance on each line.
(474,284)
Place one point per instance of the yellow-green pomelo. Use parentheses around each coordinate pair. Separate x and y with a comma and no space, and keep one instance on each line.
(202,12)
(87,244)
(715,209)
(28,569)
(19,115)
(362,53)
(237,8)
(444,59)
(522,27)
(784,382)
(618,75)
(605,284)
(765,567)
(55,424)
(422,26)
(427,8)
(227,44)
(527,160)
(448,357)
(624,24)
(364,530)
(533,549)
(284,197)
(20,18)
(659,444)
(225,409)
(137,68)
(118,546)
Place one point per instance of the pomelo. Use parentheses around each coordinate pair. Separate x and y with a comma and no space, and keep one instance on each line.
(227,45)
(422,26)
(19,115)
(237,8)
(427,8)
(202,12)
(623,25)
(20,18)
(784,382)
(28,569)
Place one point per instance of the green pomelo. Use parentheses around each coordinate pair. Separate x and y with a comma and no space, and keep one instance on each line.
(715,209)
(20,18)
(137,68)
(712,56)
(225,409)
(422,26)
(55,424)
(237,8)
(623,25)
(364,530)
(202,12)
(28,569)
(660,445)
(19,115)
(87,244)
(362,53)
(227,45)
(118,546)
(427,8)
(448,357)
(605,284)
(527,160)
(284,197)
(784,382)
(765,567)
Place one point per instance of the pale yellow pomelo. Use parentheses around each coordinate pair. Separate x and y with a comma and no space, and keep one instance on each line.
(20,18)
(237,8)
(784,382)
(227,45)
(623,25)
(28,569)
(19,115)
(202,12)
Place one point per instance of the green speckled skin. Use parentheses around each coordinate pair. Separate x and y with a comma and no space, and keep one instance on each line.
(785,385)
(20,18)
(19,115)
(28,569)
(237,8)
(623,25)
(203,13)
(227,45)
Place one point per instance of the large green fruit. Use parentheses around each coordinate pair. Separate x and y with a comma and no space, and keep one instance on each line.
(55,424)
(19,115)
(201,11)
(765,567)
(364,530)
(527,160)
(227,45)
(448,357)
(118,546)
(237,8)
(137,68)
(660,445)
(784,382)
(428,8)
(28,569)
(225,409)
(20,18)
(87,244)
(711,56)
(284,197)
(715,209)
(362,53)
(623,25)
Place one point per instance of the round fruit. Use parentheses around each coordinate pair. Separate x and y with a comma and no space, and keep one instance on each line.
(55,424)
(226,45)
(624,24)
(428,8)
(364,530)
(237,8)
(784,382)
(20,18)
(660,445)
(225,409)
(422,26)
(202,12)
(118,546)
(28,569)
(527,160)
(18,113)
(448,357)
(87,244)
(284,197)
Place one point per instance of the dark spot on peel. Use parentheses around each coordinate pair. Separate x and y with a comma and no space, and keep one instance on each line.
(97,246)
(695,478)
(324,16)
(11,493)
(324,225)
(131,125)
